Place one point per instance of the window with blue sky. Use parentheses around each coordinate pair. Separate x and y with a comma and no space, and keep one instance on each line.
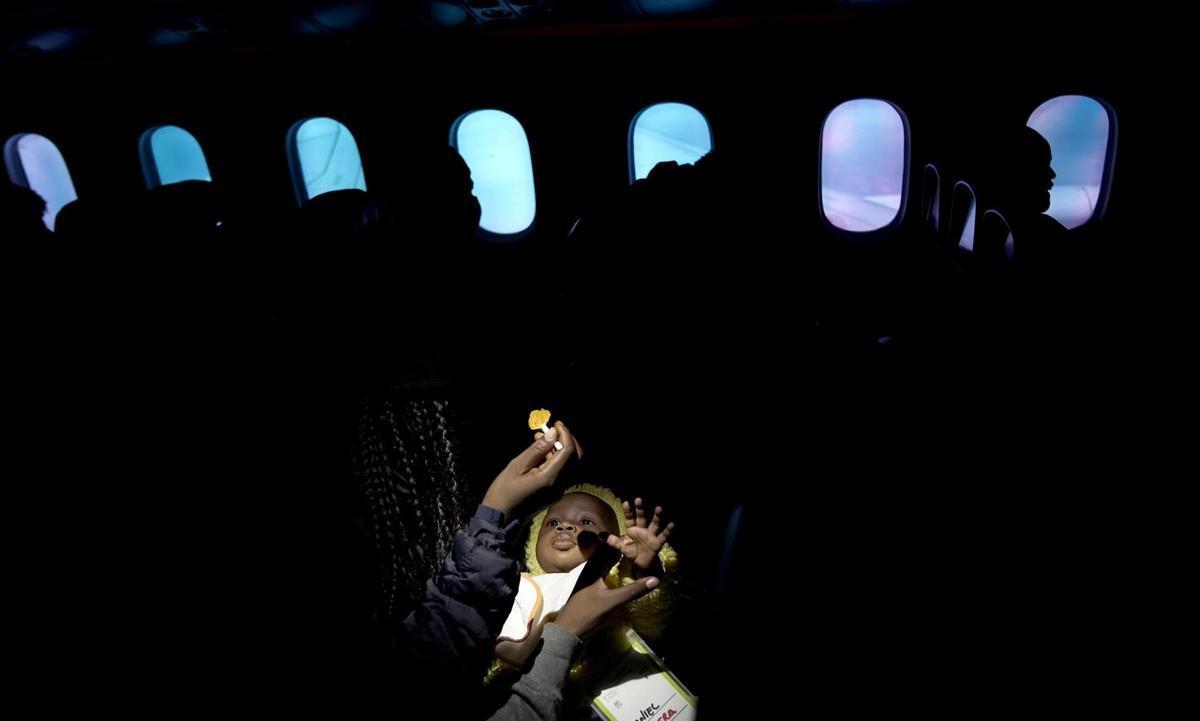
(494,146)
(864,149)
(36,163)
(324,157)
(667,131)
(1079,129)
(171,154)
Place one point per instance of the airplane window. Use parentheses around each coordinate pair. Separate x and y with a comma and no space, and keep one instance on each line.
(495,148)
(864,148)
(36,163)
(674,7)
(171,155)
(1079,129)
(323,157)
(667,131)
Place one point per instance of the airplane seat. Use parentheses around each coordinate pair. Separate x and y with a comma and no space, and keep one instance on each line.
(993,240)
(340,274)
(79,232)
(877,304)
(577,229)
(258,244)
(931,200)
(646,219)
(581,231)
(176,230)
(958,238)
(180,216)
(992,261)
(324,235)
(903,273)
(668,223)
(75,221)
(21,211)
(337,214)
(192,208)
(336,226)
(960,230)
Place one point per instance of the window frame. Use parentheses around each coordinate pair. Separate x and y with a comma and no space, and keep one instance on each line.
(1110,154)
(712,142)
(18,175)
(150,163)
(905,184)
(296,168)
(481,232)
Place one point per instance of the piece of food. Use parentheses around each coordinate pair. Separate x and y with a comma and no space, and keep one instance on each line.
(538,420)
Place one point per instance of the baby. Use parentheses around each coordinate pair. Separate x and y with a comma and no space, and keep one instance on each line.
(562,537)
(470,604)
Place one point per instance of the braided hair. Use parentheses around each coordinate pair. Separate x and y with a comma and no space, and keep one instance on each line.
(406,462)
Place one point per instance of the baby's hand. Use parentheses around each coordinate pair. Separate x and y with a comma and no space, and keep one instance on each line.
(642,540)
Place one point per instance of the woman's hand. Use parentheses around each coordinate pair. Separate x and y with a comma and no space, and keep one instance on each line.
(536,468)
(585,609)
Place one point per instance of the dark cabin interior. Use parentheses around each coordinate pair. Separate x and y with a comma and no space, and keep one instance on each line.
(889,464)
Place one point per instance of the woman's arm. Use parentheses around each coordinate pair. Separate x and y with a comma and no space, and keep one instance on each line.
(462,610)
(464,605)
(537,696)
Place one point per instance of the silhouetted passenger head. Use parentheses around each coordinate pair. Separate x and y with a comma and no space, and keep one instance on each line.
(1021,174)
(436,198)
(21,212)
(457,181)
(1018,185)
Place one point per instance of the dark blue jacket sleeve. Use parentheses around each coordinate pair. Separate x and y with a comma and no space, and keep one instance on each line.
(464,606)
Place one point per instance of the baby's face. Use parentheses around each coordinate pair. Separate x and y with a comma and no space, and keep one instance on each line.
(558,547)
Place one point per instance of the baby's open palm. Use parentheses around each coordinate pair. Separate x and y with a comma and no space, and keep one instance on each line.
(643,538)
